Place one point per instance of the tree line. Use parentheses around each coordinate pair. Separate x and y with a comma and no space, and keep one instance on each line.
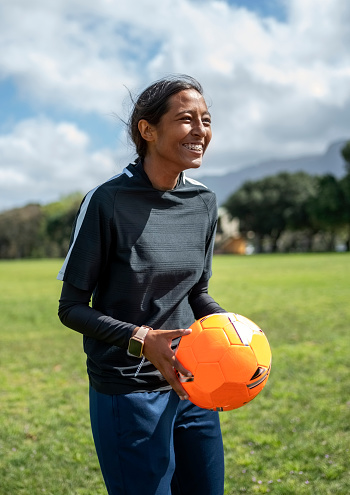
(295,212)
(37,231)
(284,212)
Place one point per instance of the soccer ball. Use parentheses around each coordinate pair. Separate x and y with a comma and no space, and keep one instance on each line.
(230,359)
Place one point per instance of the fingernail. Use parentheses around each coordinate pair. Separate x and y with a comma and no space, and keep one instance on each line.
(183,397)
(185,379)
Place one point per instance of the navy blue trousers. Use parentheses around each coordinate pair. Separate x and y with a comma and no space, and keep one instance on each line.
(154,444)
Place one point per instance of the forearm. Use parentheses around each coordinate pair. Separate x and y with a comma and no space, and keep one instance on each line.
(202,303)
(75,313)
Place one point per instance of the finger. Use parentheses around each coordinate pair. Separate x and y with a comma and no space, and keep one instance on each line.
(181,369)
(166,366)
(174,382)
(180,332)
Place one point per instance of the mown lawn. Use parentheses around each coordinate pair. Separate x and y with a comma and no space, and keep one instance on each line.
(292,439)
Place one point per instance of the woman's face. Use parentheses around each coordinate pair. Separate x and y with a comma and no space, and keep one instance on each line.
(183,133)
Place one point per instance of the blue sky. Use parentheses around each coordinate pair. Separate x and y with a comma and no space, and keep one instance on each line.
(264,8)
(276,71)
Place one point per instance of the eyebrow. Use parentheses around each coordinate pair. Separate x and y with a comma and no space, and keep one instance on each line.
(191,111)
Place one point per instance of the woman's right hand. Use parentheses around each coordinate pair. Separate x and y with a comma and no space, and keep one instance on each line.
(157,349)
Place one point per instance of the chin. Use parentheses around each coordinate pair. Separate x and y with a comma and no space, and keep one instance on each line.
(195,164)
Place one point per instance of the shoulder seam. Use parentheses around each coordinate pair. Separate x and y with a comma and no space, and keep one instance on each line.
(194,182)
(81,216)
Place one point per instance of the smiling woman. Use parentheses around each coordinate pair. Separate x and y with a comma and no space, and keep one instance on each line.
(179,141)
(142,246)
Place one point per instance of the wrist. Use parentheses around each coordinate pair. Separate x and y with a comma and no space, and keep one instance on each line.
(137,340)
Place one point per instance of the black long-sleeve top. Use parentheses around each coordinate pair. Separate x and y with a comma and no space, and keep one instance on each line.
(144,257)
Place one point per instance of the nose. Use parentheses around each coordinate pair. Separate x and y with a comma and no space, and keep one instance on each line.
(199,128)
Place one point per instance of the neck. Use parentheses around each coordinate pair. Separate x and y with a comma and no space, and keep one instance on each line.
(160,178)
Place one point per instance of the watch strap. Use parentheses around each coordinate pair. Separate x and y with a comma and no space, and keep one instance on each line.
(141,333)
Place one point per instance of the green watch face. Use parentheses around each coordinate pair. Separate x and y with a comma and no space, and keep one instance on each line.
(135,347)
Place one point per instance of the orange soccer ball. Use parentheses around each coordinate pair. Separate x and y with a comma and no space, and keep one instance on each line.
(230,359)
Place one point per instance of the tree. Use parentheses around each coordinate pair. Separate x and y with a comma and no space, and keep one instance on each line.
(38,231)
(345,185)
(326,209)
(58,224)
(20,232)
(345,213)
(346,155)
(271,205)
(302,190)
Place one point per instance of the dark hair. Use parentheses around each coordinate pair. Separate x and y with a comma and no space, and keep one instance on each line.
(153,103)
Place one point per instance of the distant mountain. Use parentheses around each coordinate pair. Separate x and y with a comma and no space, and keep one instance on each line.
(331,162)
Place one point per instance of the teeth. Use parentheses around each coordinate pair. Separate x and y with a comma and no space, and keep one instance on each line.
(195,147)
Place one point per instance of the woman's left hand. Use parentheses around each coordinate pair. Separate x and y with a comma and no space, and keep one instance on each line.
(157,349)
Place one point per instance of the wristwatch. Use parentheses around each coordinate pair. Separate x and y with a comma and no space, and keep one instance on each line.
(136,342)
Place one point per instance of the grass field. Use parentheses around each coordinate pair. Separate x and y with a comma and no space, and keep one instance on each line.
(292,439)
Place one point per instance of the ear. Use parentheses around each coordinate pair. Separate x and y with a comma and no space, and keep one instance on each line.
(147,131)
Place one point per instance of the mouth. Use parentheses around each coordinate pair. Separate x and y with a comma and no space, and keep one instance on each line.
(197,147)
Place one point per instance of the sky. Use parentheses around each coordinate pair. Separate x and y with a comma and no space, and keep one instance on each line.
(276,74)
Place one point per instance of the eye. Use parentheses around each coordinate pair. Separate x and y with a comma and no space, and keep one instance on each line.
(206,121)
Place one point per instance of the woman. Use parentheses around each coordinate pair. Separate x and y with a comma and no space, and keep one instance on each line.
(142,248)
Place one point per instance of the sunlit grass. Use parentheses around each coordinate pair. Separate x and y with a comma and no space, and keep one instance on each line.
(293,438)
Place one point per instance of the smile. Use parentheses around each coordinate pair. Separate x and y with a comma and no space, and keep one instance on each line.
(194,147)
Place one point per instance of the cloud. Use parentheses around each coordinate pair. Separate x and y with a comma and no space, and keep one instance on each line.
(84,52)
(278,89)
(44,160)
(62,56)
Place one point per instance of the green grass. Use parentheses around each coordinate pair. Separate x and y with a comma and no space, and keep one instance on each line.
(292,439)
